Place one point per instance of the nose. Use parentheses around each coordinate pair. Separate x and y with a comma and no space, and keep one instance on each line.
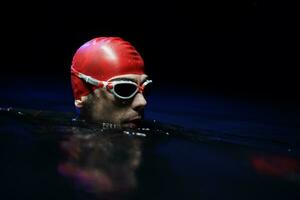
(139,102)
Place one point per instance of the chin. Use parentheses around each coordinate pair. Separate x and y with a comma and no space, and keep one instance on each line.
(129,125)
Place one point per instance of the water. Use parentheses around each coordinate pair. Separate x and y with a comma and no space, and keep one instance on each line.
(217,149)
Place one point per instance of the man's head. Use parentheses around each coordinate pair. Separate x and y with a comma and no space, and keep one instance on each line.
(108,80)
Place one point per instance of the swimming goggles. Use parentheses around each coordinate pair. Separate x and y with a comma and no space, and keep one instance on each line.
(123,89)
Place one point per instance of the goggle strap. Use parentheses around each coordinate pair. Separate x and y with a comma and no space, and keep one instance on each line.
(142,87)
(146,83)
(87,79)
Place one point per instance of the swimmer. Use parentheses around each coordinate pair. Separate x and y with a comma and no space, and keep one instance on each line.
(108,82)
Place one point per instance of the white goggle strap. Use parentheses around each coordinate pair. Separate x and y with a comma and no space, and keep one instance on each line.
(89,79)
(147,82)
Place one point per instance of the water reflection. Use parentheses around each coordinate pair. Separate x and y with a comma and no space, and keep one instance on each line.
(276,165)
(160,161)
(100,163)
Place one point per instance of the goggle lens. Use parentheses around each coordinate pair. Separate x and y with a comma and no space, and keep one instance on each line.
(125,89)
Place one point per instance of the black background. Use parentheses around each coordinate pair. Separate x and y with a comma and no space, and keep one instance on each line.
(232,47)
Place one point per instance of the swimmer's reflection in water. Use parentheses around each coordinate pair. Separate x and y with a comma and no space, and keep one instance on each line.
(102,164)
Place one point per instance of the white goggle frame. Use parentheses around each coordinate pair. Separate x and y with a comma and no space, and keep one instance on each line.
(110,85)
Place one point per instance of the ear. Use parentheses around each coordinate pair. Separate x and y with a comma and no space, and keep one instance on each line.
(79,103)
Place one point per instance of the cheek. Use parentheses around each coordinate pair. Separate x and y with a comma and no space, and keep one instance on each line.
(119,114)
(107,108)
(97,110)
(110,111)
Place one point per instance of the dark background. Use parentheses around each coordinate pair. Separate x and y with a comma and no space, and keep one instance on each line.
(241,48)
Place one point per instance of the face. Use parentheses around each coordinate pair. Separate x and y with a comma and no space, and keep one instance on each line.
(104,106)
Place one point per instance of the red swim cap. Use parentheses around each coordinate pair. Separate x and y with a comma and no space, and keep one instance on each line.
(103,58)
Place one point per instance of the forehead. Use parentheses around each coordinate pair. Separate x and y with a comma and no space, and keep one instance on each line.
(133,77)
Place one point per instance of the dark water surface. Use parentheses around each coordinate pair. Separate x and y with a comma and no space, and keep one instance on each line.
(228,149)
